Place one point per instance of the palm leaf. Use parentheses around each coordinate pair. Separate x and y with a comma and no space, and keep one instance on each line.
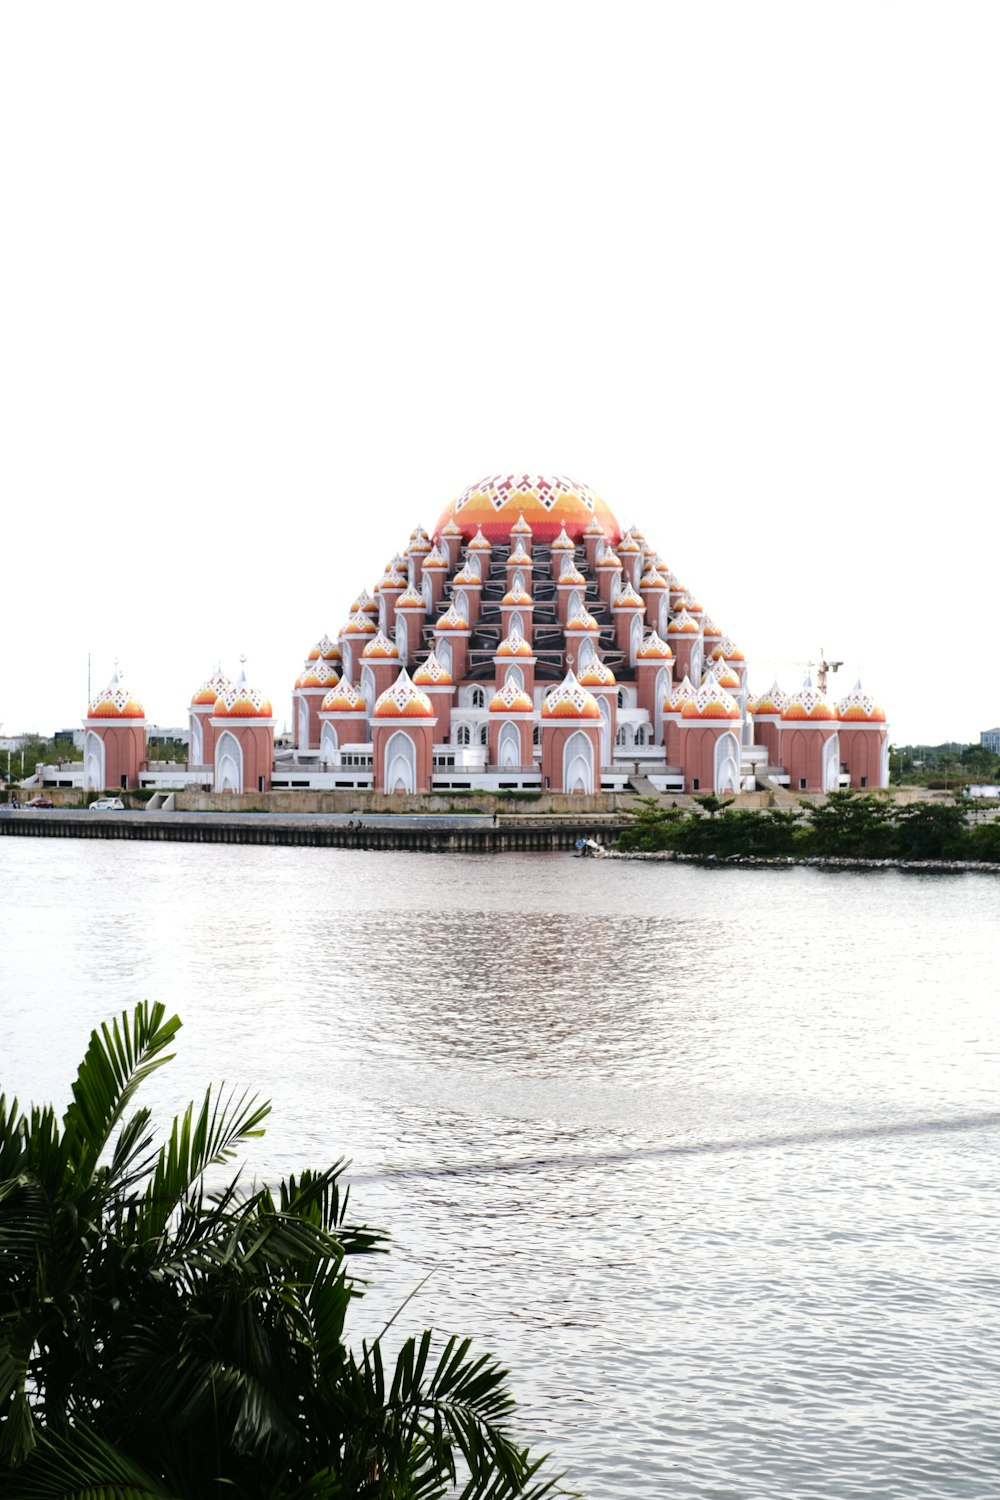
(195,1145)
(116,1062)
(80,1465)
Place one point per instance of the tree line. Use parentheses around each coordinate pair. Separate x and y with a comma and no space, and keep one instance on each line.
(847,824)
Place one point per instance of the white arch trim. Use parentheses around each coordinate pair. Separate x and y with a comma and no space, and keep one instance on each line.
(93,762)
(400,763)
(228,763)
(578,763)
(727,763)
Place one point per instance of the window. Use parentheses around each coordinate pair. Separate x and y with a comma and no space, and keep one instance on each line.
(803,783)
(621,699)
(462,735)
(484,733)
(640,736)
(478,698)
(536,735)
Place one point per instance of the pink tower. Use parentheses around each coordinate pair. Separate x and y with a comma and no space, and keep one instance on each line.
(510,728)
(593,539)
(514,661)
(520,566)
(434,572)
(609,575)
(571,590)
(810,751)
(244,739)
(562,548)
(655,594)
(343,719)
(684,635)
(520,534)
(438,686)
(628,610)
(319,674)
(201,735)
(654,667)
(450,541)
(451,642)
(114,741)
(767,711)
(354,636)
(379,668)
(571,739)
(709,740)
(582,635)
(864,739)
(411,611)
(599,680)
(419,548)
(403,738)
(517,611)
(393,584)
(672,714)
(467,588)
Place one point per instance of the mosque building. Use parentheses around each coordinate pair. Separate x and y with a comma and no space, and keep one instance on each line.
(528,642)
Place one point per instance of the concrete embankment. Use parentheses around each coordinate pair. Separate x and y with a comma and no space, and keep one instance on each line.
(430,835)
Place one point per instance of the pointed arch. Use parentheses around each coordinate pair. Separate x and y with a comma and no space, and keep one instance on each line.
(831,763)
(517,582)
(442,650)
(586,653)
(509,746)
(660,692)
(514,675)
(368,687)
(578,763)
(726,769)
(664,617)
(303,724)
(228,763)
(93,762)
(329,747)
(196,746)
(605,707)
(516,623)
(635,639)
(461,603)
(402,640)
(400,762)
(427,591)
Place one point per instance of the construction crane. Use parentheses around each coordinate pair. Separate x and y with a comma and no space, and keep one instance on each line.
(822,668)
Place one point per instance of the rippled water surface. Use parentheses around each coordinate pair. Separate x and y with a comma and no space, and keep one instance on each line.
(708,1156)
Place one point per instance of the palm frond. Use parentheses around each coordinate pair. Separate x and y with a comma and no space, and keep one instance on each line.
(195,1145)
(78,1464)
(116,1062)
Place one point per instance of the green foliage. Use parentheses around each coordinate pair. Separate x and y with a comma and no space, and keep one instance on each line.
(848,825)
(160,1340)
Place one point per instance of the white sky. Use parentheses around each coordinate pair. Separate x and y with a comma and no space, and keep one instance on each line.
(277,282)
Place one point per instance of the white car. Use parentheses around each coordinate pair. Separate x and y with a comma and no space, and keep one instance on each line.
(108,804)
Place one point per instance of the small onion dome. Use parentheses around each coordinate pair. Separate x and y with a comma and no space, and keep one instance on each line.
(653,648)
(725,676)
(710,628)
(681,693)
(774,701)
(317,674)
(597,673)
(518,554)
(807,703)
(393,579)
(860,707)
(241,701)
(609,560)
(520,526)
(324,650)
(343,699)
(728,650)
(380,646)
(451,527)
(435,559)
(570,701)
(583,620)
(468,575)
(514,645)
(359,624)
(116,702)
(652,580)
(692,605)
(411,598)
(629,544)
(628,599)
(517,596)
(593,527)
(562,543)
(711,701)
(511,699)
(419,541)
(452,620)
(211,687)
(403,701)
(431,673)
(572,575)
(479,543)
(682,624)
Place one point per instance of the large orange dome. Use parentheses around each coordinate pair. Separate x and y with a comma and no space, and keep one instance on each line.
(548,503)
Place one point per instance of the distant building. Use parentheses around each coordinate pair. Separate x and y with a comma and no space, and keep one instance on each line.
(990,740)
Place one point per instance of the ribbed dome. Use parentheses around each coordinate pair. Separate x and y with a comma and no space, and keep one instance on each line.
(411,599)
(774,701)
(211,688)
(431,673)
(452,620)
(380,646)
(597,674)
(511,699)
(859,707)
(343,699)
(241,701)
(683,624)
(360,624)
(652,580)
(583,620)
(514,645)
(517,596)
(683,692)
(317,674)
(808,704)
(570,701)
(628,599)
(403,701)
(324,650)
(711,701)
(653,648)
(548,503)
(116,702)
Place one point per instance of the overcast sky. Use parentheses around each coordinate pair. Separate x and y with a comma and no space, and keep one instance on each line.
(278,282)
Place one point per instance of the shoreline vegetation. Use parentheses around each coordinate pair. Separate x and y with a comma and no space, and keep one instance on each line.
(849,830)
(168,1337)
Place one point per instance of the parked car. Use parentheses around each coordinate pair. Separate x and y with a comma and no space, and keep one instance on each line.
(107,804)
(39,802)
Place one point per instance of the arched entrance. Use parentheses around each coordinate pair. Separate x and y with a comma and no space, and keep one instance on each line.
(93,762)
(578,763)
(228,763)
(400,763)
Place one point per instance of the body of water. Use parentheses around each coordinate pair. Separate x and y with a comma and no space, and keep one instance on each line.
(709,1157)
